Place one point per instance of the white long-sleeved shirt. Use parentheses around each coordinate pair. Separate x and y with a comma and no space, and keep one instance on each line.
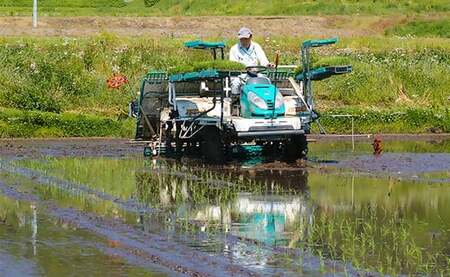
(252,56)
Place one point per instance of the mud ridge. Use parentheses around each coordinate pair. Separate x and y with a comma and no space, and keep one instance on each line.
(75,188)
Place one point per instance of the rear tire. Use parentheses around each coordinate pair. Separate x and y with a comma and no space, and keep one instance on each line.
(212,145)
(296,148)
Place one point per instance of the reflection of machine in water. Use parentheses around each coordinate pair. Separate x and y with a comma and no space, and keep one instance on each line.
(268,212)
(263,218)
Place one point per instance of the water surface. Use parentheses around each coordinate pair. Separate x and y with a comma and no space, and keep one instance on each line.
(325,218)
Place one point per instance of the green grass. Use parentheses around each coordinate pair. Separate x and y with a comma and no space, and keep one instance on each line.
(392,80)
(58,75)
(369,121)
(233,7)
(65,3)
(17,123)
(422,28)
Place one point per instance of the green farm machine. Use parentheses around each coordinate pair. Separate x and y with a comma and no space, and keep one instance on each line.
(195,112)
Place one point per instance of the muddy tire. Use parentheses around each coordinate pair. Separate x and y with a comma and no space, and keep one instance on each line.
(212,145)
(296,148)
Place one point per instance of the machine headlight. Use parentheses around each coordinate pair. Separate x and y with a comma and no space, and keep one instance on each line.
(258,101)
(279,101)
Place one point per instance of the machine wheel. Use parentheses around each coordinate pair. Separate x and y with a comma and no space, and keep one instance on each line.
(212,145)
(271,150)
(178,142)
(296,148)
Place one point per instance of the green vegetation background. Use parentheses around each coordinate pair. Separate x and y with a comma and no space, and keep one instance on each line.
(231,7)
(398,84)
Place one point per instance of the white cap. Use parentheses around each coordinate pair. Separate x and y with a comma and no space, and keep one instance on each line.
(244,32)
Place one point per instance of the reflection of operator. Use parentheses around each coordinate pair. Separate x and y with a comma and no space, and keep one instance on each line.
(248,53)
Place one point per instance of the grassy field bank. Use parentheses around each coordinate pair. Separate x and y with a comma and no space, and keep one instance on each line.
(422,28)
(21,123)
(233,7)
(408,77)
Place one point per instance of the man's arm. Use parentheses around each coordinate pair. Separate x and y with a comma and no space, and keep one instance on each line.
(261,56)
(233,54)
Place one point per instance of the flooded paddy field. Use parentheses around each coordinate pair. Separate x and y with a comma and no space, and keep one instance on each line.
(98,207)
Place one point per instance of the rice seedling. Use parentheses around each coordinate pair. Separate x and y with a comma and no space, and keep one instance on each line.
(388,248)
(374,234)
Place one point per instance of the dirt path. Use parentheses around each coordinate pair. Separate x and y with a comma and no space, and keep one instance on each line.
(211,26)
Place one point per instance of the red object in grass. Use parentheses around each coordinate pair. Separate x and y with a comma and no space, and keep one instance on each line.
(377,146)
(116,81)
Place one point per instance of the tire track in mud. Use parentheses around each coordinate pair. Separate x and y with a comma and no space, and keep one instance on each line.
(132,244)
(75,188)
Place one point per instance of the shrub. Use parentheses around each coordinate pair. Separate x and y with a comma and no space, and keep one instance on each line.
(150,3)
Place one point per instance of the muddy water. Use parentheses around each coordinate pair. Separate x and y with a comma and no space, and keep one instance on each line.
(346,213)
(33,244)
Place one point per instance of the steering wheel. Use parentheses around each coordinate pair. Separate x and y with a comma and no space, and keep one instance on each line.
(255,69)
